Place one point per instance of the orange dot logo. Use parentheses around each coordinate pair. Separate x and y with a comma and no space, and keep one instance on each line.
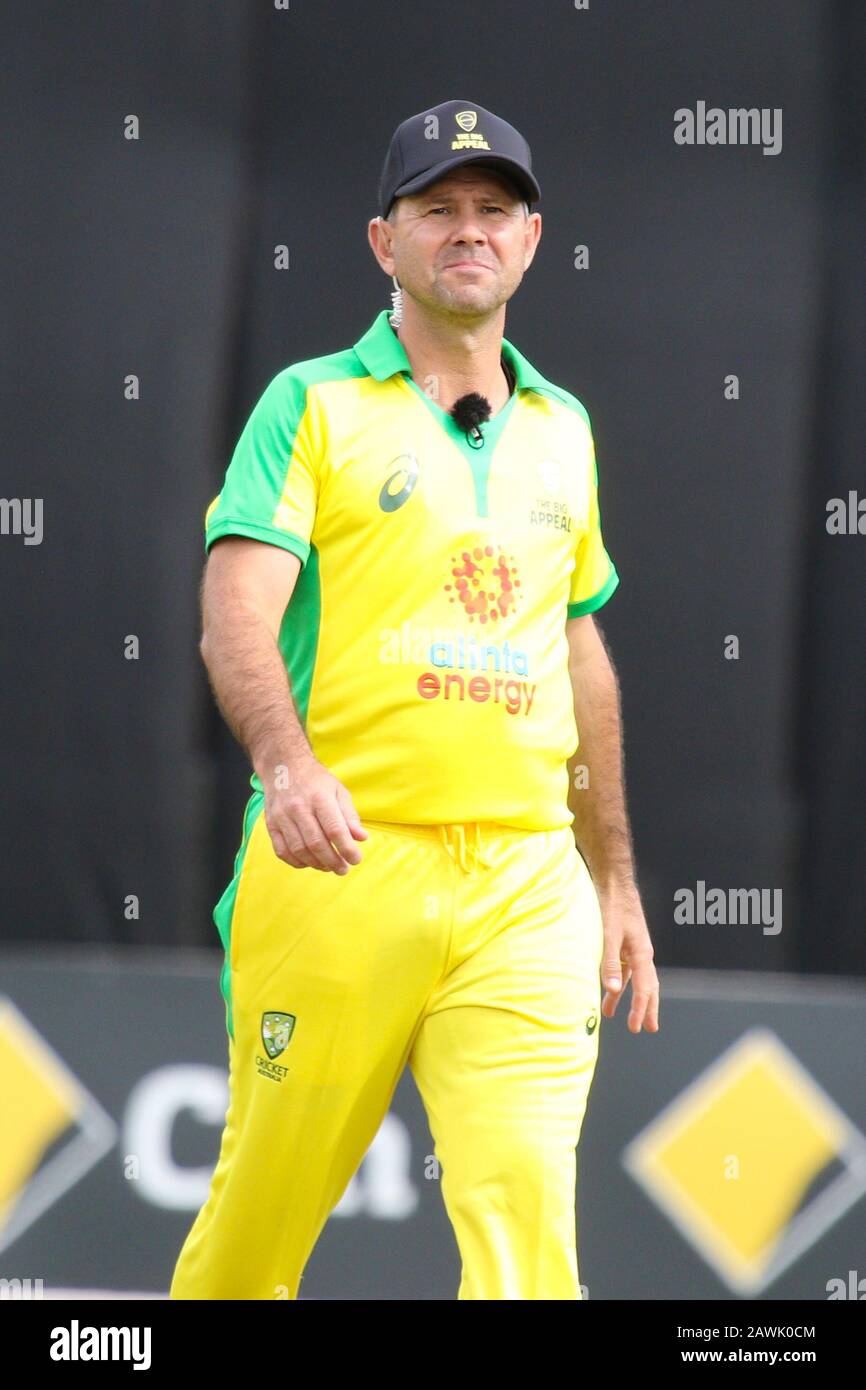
(485,582)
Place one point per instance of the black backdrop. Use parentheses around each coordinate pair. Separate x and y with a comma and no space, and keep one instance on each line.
(155,257)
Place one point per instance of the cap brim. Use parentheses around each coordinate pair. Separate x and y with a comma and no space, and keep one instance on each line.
(525,182)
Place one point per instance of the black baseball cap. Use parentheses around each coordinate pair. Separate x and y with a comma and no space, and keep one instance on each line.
(422,150)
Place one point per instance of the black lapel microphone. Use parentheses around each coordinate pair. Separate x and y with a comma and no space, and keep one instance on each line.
(468,413)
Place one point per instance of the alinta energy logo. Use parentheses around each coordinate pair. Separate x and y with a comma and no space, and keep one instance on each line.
(54,1130)
(753,1162)
(486,587)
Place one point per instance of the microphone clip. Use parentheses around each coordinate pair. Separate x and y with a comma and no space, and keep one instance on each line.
(468,413)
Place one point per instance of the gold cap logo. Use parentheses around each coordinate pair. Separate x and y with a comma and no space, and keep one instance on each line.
(466,119)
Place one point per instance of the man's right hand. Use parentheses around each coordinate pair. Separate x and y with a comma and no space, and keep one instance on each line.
(312,820)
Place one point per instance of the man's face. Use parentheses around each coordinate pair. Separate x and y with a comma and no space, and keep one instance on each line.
(463,244)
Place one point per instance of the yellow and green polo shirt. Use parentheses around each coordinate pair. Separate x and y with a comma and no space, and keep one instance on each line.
(425,639)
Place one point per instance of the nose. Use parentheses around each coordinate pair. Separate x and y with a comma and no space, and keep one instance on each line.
(468,229)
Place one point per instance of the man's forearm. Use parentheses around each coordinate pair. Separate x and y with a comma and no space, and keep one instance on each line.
(252,689)
(601,828)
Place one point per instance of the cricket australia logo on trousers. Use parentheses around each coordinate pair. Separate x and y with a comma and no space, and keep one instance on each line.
(277,1029)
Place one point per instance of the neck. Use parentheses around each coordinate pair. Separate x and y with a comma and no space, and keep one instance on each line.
(455,358)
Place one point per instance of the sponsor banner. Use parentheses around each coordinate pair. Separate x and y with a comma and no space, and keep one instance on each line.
(722,1158)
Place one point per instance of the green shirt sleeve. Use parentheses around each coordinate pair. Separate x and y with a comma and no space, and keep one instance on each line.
(271,485)
(594,578)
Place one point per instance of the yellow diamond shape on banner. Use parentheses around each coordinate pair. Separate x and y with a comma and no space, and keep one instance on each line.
(53,1130)
(733,1158)
(37,1106)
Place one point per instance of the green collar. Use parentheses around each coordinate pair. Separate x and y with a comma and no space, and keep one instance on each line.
(382,354)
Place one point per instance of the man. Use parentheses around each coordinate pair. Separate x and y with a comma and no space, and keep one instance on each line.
(403,565)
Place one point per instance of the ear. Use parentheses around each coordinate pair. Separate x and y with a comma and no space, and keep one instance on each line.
(376,238)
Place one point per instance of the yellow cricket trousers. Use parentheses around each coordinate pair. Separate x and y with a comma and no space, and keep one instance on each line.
(473,953)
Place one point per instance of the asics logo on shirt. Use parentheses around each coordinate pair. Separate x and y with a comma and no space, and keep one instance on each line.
(398,488)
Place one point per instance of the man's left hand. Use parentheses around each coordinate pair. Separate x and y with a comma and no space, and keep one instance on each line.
(628,955)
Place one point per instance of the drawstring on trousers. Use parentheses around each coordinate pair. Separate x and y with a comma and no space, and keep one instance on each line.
(470,856)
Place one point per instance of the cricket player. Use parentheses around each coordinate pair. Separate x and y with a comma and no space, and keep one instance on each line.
(436,863)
